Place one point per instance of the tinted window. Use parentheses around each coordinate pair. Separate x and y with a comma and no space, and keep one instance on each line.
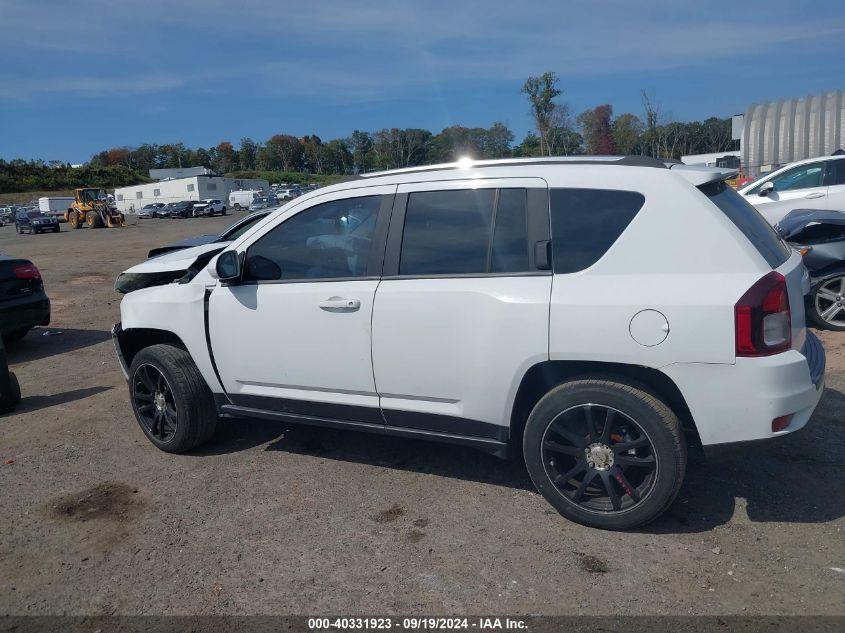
(330,240)
(449,232)
(747,219)
(510,236)
(586,222)
(802,177)
(839,172)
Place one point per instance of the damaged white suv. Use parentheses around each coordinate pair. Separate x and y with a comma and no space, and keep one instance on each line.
(591,314)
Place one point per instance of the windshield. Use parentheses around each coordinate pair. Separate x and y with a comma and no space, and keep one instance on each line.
(35,214)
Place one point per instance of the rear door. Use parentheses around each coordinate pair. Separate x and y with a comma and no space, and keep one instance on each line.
(836,185)
(462,309)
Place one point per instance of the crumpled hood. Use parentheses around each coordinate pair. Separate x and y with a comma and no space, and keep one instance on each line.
(177,260)
(797,220)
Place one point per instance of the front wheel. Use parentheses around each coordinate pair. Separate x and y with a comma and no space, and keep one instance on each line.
(605,454)
(170,399)
(827,303)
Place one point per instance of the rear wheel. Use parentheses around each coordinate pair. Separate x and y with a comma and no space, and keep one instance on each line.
(9,401)
(605,454)
(170,399)
(827,303)
(223,212)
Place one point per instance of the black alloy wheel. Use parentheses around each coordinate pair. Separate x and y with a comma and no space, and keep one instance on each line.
(599,458)
(154,403)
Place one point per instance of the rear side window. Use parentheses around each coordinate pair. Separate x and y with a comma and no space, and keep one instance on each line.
(748,220)
(467,231)
(586,223)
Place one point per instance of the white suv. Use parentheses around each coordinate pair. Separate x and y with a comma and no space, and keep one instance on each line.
(814,183)
(590,314)
(209,206)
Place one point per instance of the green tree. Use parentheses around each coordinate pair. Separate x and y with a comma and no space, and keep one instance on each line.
(248,153)
(541,92)
(627,129)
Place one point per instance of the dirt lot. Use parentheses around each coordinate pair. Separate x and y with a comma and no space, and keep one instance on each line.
(275,519)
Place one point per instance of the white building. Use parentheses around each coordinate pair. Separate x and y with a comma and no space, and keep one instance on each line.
(179,172)
(130,199)
(728,159)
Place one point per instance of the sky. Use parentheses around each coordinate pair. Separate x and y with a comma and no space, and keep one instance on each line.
(83,76)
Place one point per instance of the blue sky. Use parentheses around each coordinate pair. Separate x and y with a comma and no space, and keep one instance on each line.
(80,76)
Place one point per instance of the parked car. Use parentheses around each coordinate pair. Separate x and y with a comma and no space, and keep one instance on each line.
(243,198)
(23,302)
(183,209)
(209,207)
(7,215)
(814,182)
(152,210)
(286,194)
(166,265)
(35,222)
(264,202)
(10,389)
(820,237)
(539,316)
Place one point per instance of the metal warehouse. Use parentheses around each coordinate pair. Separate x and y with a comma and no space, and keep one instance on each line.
(130,199)
(779,132)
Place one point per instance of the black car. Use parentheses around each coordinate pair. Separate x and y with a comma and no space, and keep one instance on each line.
(183,209)
(819,236)
(35,222)
(23,302)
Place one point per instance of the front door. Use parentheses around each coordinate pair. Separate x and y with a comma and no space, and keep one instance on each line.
(802,187)
(294,335)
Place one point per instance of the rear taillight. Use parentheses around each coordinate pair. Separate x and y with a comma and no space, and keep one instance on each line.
(762,319)
(27,271)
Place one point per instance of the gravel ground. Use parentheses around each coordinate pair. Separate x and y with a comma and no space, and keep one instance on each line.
(272,518)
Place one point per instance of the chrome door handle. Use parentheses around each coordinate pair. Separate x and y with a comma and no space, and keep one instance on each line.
(339,304)
(811,196)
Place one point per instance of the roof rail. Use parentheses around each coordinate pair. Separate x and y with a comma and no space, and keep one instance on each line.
(631,161)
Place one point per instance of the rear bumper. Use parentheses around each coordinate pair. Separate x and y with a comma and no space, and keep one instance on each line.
(24,313)
(737,403)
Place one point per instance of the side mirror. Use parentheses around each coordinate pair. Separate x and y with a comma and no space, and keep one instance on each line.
(227,266)
(766,189)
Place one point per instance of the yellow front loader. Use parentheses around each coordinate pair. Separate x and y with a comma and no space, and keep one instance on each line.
(92,208)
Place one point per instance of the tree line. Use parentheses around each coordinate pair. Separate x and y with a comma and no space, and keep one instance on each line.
(596,131)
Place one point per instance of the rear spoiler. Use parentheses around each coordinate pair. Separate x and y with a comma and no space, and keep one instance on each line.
(699,175)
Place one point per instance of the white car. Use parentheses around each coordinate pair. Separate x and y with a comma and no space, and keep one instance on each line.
(209,206)
(814,183)
(591,315)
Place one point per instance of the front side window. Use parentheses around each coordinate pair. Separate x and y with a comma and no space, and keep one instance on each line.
(328,241)
(838,172)
(467,231)
(802,177)
(586,223)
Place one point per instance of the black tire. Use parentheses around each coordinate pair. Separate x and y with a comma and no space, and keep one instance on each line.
(18,229)
(223,212)
(57,229)
(10,401)
(638,490)
(15,335)
(821,303)
(194,417)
